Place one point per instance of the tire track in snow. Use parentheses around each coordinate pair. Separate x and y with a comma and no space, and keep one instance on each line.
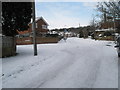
(87,78)
(61,69)
(93,74)
(66,63)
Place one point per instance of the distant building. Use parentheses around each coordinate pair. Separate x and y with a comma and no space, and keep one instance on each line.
(112,24)
(107,28)
(41,28)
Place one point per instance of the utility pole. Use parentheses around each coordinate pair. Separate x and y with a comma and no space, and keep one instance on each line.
(33,28)
(79,25)
(114,22)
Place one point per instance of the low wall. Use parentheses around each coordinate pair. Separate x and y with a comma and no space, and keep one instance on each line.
(7,46)
(108,38)
(39,40)
(24,41)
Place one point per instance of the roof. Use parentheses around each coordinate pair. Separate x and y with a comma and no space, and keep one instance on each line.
(38,18)
(23,32)
(105,29)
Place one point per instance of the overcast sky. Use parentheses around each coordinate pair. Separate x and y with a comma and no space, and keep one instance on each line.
(65,14)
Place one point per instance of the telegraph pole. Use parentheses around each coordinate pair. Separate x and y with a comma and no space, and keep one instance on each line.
(33,28)
(79,25)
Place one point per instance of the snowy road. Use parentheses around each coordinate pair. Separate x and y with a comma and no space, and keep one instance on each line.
(77,63)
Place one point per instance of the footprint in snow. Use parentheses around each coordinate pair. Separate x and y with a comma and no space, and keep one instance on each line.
(108,45)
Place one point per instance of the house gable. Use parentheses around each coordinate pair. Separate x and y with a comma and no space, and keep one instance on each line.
(41,20)
(42,26)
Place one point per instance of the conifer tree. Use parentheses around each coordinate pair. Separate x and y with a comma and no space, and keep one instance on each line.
(15,16)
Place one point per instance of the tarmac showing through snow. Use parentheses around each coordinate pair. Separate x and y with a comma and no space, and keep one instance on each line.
(76,63)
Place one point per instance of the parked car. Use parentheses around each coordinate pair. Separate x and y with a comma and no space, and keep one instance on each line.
(118,46)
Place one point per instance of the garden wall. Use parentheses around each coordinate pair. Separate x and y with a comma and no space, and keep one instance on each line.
(7,46)
(39,40)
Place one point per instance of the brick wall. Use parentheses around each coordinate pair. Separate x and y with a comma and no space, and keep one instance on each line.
(39,40)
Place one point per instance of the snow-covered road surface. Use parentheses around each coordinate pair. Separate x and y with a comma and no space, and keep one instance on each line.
(77,63)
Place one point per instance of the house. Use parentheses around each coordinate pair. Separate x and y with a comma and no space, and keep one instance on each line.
(41,28)
(100,32)
(104,34)
(112,24)
(42,31)
(107,30)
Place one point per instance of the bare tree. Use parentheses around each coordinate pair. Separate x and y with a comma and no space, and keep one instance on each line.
(109,11)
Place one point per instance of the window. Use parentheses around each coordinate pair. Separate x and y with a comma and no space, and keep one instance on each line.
(44,26)
(36,25)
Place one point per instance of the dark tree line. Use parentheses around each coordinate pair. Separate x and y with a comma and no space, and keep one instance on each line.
(15,16)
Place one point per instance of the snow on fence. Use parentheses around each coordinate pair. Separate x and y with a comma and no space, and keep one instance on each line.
(7,46)
(39,40)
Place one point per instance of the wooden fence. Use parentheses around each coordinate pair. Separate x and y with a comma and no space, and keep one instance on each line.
(39,40)
(7,46)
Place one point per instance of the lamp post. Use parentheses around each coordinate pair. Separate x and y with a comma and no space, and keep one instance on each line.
(33,28)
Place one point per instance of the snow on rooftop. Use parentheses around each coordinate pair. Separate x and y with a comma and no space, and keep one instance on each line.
(105,29)
(38,18)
